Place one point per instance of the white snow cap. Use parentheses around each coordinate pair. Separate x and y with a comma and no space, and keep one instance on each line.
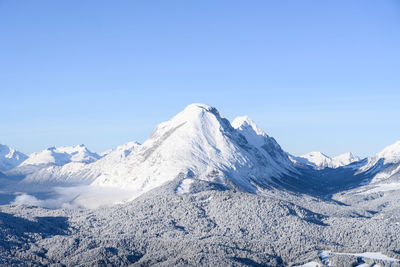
(319,160)
(62,156)
(346,158)
(10,158)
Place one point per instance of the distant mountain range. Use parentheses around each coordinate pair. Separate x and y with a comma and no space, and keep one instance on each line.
(199,149)
(319,160)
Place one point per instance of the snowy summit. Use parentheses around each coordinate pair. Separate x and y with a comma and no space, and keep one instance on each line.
(10,158)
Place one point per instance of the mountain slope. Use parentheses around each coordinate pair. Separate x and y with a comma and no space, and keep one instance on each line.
(267,145)
(198,147)
(10,158)
(383,169)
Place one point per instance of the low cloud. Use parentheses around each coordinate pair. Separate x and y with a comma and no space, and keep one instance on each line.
(78,197)
(51,203)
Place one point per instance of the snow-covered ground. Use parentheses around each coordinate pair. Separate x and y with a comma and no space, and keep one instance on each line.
(382,188)
(326,254)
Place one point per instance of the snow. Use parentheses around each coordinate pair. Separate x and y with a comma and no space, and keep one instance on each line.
(373,255)
(385,174)
(319,160)
(325,254)
(383,188)
(310,264)
(345,159)
(389,155)
(10,158)
(265,144)
(197,145)
(184,186)
(72,173)
(61,156)
(243,122)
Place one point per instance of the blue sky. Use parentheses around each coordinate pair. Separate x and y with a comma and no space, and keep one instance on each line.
(316,75)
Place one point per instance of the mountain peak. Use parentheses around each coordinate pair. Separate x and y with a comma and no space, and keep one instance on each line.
(10,158)
(319,160)
(199,106)
(315,159)
(244,122)
(346,159)
(196,111)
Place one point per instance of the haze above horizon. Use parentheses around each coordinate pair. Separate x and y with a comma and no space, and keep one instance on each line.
(317,76)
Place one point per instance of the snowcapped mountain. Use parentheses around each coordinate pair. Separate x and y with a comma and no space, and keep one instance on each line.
(320,161)
(44,164)
(82,169)
(384,165)
(382,171)
(10,158)
(316,159)
(61,156)
(345,159)
(199,147)
(389,155)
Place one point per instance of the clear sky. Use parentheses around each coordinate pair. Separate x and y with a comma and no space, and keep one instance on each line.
(316,75)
